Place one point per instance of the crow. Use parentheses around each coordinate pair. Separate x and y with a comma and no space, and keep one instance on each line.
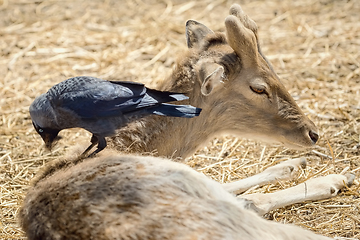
(100,107)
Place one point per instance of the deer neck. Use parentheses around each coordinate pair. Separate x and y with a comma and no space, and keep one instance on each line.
(162,136)
(165,136)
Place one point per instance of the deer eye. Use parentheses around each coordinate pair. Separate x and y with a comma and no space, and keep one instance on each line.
(258,90)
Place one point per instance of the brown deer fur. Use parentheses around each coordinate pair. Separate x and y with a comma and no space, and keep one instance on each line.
(147,198)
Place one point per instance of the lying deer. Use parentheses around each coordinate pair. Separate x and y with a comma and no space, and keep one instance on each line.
(133,197)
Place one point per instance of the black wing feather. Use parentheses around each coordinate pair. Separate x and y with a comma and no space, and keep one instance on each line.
(91,97)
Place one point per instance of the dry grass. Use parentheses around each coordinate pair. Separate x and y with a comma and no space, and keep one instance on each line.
(314,46)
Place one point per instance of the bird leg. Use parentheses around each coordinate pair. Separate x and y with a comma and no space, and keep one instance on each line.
(94,140)
(101,145)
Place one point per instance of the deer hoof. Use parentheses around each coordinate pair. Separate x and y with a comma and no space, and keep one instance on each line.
(350,177)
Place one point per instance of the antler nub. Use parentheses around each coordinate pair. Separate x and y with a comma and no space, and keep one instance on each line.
(237,11)
(242,40)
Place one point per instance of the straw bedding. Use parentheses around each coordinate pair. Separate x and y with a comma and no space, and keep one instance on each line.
(313,45)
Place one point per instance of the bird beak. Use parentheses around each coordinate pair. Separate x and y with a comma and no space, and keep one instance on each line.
(49,139)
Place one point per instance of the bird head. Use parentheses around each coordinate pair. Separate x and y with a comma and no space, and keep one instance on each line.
(49,135)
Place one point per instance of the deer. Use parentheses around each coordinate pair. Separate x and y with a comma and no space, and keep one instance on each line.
(133,195)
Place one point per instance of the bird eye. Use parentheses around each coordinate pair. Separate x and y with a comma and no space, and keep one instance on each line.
(40,130)
(258,90)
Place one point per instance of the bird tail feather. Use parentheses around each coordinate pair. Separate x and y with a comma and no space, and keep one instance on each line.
(185,111)
(164,96)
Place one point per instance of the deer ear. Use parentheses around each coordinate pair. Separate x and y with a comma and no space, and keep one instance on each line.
(213,77)
(195,33)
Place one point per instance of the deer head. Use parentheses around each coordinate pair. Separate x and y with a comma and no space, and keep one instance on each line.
(239,90)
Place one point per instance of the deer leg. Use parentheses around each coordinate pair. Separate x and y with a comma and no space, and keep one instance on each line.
(311,190)
(283,171)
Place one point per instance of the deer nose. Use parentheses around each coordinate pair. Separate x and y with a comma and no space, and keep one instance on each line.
(314,136)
